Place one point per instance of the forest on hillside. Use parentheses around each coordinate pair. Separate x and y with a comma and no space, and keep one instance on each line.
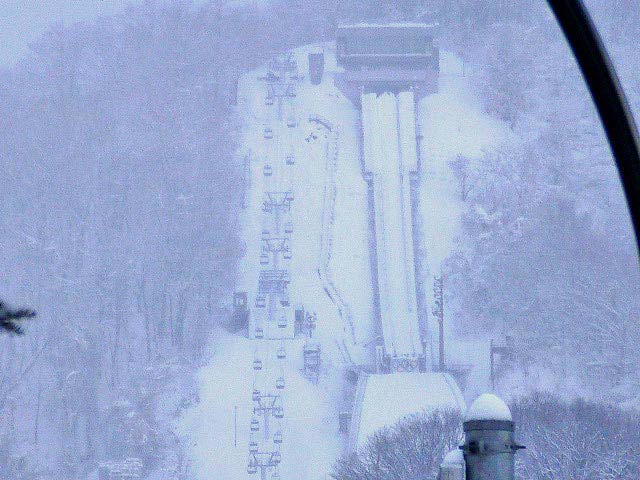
(564,440)
(119,219)
(546,220)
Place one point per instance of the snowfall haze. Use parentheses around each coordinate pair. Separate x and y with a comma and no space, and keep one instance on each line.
(252,257)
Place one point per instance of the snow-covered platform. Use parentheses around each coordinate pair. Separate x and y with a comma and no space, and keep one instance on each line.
(383,400)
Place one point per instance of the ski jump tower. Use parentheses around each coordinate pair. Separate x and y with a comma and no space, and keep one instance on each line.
(387,69)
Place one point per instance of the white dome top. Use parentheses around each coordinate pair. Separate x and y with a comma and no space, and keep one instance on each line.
(454,457)
(488,407)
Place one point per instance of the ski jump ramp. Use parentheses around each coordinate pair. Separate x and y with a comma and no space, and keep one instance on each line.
(390,159)
(387,70)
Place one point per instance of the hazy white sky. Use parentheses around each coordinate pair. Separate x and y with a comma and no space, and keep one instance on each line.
(22,21)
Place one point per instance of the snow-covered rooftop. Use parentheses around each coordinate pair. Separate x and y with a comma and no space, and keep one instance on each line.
(454,457)
(488,407)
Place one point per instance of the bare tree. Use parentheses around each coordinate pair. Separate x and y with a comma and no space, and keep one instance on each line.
(11,319)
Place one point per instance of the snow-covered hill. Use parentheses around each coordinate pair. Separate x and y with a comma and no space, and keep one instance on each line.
(330,268)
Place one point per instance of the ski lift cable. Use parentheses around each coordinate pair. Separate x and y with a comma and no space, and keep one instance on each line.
(608,96)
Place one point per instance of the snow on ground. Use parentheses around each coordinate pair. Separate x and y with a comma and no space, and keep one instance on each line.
(310,428)
(217,428)
(389,398)
(454,457)
(384,129)
(451,123)
(349,263)
(210,426)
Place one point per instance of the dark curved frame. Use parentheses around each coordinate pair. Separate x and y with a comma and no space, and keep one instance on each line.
(608,96)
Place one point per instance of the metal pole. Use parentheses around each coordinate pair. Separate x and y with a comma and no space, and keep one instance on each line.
(491,367)
(608,97)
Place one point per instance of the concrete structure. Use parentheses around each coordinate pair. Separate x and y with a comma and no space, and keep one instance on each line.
(489,447)
(387,57)
(387,69)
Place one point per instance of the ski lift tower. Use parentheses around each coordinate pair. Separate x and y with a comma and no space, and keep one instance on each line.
(285,65)
(267,406)
(277,247)
(281,78)
(275,250)
(278,204)
(274,284)
(263,461)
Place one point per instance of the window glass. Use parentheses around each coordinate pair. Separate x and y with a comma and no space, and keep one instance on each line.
(249,259)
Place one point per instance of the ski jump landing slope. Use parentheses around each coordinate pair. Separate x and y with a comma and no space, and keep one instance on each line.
(383,400)
(390,158)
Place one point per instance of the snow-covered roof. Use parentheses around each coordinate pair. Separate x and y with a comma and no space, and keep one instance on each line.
(383,400)
(454,457)
(488,407)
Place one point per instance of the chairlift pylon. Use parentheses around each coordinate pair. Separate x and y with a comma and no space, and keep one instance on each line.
(255,425)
